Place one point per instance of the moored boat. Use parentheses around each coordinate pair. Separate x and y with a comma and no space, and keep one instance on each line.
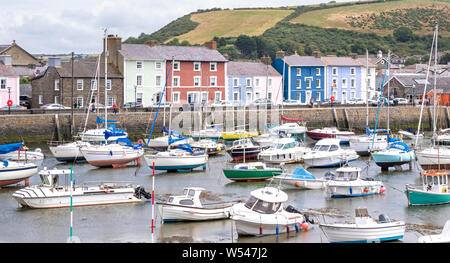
(190,207)
(330,132)
(12,172)
(237,134)
(328,153)
(244,149)
(177,159)
(283,150)
(365,229)
(397,153)
(433,191)
(68,152)
(23,154)
(443,237)
(249,172)
(211,147)
(300,179)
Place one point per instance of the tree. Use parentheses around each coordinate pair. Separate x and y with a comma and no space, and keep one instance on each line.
(246,45)
(411,61)
(445,59)
(403,34)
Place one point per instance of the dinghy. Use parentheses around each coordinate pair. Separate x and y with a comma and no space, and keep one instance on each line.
(365,229)
(13,172)
(250,172)
(300,179)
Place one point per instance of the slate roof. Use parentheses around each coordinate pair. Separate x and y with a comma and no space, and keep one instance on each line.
(235,68)
(342,61)
(86,69)
(3,47)
(296,60)
(7,71)
(179,53)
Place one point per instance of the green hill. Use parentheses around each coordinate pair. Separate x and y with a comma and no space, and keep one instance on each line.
(333,28)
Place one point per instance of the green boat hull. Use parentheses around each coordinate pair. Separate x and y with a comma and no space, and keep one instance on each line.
(427,198)
(250,175)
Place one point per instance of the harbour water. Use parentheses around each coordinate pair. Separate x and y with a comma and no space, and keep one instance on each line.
(132,222)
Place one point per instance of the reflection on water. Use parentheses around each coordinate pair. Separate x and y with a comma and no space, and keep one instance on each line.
(132,222)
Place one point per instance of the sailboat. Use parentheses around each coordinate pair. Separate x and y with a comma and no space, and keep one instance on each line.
(397,152)
(434,157)
(162,143)
(13,172)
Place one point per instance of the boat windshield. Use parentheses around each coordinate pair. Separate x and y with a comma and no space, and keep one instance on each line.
(321,148)
(189,192)
(250,202)
(289,145)
(277,146)
(346,176)
(266,207)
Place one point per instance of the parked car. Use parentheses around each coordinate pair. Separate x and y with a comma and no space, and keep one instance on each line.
(356,101)
(401,101)
(261,102)
(14,107)
(191,106)
(97,106)
(329,102)
(131,105)
(291,102)
(373,102)
(222,104)
(54,106)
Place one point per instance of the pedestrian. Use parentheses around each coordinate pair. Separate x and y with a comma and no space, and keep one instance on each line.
(115,108)
(311,101)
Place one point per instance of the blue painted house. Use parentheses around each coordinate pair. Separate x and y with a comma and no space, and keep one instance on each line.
(304,77)
(344,78)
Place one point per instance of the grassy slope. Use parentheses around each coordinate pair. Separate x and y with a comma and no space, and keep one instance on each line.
(336,17)
(232,23)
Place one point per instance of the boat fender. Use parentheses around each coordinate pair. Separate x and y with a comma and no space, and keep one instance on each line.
(297,228)
(305,226)
(444,189)
(218,149)
(297,184)
(382,189)
(351,190)
(366,190)
(140,141)
(287,229)
(260,230)
(107,191)
(277,230)
(111,153)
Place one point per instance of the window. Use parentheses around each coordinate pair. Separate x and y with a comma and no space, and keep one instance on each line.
(353,95)
(317,71)
(93,84)
(299,96)
(235,82)
(257,95)
(176,97)
(317,96)
(204,96)
(56,84)
(269,95)
(335,94)
(299,83)
(299,72)
(3,83)
(79,84)
(217,96)
(335,84)
(80,102)
(158,80)
(270,82)
(139,97)
(248,82)
(158,65)
(196,66)
(41,99)
(369,72)
(308,83)
(344,83)
(176,66)
(352,71)
(176,81)
(56,99)
(318,83)
(139,80)
(213,81)
(213,66)
(257,82)
(108,84)
(197,82)
(139,65)
(352,83)
(186,202)
(334,71)
(235,96)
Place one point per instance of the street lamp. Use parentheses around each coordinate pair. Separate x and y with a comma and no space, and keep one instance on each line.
(135,97)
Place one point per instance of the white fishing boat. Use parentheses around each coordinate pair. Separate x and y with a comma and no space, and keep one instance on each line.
(264,214)
(210,146)
(176,160)
(98,135)
(443,237)
(190,207)
(300,179)
(328,153)
(68,152)
(347,182)
(365,229)
(49,194)
(284,150)
(114,154)
(293,129)
(23,154)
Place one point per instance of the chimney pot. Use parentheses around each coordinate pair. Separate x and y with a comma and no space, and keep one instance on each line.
(151,43)
(211,44)
(280,54)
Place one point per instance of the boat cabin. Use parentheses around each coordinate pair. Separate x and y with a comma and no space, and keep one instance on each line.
(242,143)
(267,200)
(190,197)
(251,166)
(435,180)
(346,173)
(327,145)
(283,144)
(51,177)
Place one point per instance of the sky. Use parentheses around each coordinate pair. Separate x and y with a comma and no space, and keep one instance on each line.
(59,27)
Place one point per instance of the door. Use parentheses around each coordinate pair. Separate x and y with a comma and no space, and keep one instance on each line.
(344,97)
(308,97)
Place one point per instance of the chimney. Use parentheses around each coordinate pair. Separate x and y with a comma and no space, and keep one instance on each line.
(280,54)
(225,55)
(265,60)
(151,43)
(211,44)
(54,62)
(6,59)
(316,53)
(114,46)
(354,55)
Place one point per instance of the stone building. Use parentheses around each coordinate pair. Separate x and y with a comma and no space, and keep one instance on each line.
(54,85)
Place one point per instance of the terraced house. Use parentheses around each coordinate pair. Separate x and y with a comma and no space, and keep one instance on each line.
(248,81)
(304,77)
(193,74)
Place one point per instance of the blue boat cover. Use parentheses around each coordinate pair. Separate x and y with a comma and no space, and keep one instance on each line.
(185,147)
(301,173)
(112,131)
(7,148)
(410,130)
(399,145)
(100,120)
(391,140)
(369,131)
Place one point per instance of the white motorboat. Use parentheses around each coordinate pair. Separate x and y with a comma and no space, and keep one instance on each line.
(189,207)
(410,134)
(211,133)
(265,140)
(23,154)
(176,160)
(365,229)
(115,154)
(68,152)
(243,149)
(330,132)
(443,237)
(284,150)
(289,129)
(98,135)
(264,214)
(300,179)
(365,144)
(434,158)
(328,153)
(162,143)
(49,194)
(210,146)
(13,172)
(347,182)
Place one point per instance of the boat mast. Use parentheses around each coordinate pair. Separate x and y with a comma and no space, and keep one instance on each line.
(434,88)
(388,93)
(367,87)
(106,79)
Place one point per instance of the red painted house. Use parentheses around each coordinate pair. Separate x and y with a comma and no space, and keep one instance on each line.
(196,74)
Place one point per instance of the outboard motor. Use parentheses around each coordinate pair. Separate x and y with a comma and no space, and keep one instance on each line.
(140,191)
(292,209)
(384,218)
